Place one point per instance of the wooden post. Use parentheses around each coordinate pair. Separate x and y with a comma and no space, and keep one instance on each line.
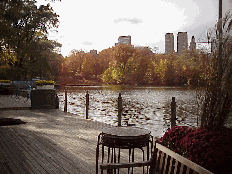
(65,96)
(119,109)
(57,101)
(173,112)
(87,105)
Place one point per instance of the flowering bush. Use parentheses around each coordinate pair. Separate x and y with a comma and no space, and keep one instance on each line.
(173,137)
(44,82)
(4,81)
(210,150)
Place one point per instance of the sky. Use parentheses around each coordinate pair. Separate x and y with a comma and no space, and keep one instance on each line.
(97,24)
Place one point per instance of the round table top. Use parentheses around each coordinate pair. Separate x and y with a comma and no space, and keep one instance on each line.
(126,131)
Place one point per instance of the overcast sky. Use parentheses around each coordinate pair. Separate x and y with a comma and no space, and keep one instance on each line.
(97,24)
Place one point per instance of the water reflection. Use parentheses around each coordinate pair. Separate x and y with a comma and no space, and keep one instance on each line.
(147,107)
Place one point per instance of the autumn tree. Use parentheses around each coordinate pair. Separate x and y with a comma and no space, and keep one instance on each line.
(119,57)
(121,54)
(55,61)
(90,66)
(104,59)
(139,67)
(73,63)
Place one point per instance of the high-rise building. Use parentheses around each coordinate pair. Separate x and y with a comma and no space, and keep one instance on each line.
(94,52)
(169,43)
(124,40)
(192,44)
(182,42)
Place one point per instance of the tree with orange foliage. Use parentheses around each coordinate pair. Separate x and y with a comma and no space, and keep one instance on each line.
(119,57)
(139,67)
(89,66)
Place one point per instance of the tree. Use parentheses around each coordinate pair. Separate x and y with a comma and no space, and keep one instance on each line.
(104,59)
(90,66)
(74,61)
(23,30)
(139,67)
(55,61)
(218,90)
(7,60)
(122,53)
(117,63)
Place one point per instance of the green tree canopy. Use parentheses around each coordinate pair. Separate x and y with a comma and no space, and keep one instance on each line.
(23,31)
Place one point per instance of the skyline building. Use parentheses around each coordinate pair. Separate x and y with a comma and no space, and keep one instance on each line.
(124,40)
(192,44)
(182,42)
(169,43)
(94,52)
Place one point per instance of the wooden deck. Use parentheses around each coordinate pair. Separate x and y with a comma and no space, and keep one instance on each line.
(50,142)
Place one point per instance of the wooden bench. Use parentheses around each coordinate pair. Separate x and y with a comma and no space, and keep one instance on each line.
(164,161)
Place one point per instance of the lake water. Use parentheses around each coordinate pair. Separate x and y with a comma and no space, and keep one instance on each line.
(147,107)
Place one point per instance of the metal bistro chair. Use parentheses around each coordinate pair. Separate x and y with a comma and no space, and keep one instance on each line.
(123,138)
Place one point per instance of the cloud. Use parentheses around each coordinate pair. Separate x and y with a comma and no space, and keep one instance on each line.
(132,21)
(87,43)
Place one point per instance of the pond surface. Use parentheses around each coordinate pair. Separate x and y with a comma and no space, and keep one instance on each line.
(147,107)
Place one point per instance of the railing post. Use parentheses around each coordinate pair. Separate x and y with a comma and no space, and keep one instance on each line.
(57,101)
(119,109)
(65,96)
(87,105)
(173,112)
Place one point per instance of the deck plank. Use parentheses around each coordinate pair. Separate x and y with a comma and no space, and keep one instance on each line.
(12,155)
(53,142)
(54,156)
(34,155)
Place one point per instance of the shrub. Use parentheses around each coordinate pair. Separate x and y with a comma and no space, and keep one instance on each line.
(44,82)
(4,81)
(173,137)
(208,149)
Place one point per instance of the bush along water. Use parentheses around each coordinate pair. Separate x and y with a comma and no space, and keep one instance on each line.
(4,81)
(45,82)
(210,150)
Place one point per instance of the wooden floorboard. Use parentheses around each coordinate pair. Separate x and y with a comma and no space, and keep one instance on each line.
(12,155)
(63,164)
(35,156)
(51,142)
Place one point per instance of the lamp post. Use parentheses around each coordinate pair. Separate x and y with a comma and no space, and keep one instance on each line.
(220,39)
(220,9)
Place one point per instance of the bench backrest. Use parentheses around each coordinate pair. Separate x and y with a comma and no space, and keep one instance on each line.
(169,162)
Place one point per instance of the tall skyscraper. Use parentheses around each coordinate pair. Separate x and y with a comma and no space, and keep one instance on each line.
(169,43)
(124,40)
(192,44)
(182,42)
(94,52)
